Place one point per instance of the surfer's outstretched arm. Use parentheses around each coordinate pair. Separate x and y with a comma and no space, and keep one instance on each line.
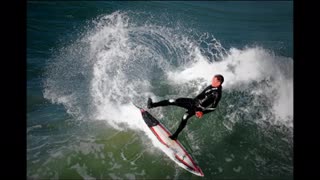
(208,110)
(211,108)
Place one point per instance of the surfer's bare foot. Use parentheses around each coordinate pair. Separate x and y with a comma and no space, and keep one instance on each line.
(149,104)
(173,137)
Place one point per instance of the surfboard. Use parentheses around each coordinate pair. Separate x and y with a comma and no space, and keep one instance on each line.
(176,151)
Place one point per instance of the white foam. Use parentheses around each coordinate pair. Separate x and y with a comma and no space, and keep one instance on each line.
(34,127)
(88,148)
(237,169)
(130,176)
(82,171)
(240,68)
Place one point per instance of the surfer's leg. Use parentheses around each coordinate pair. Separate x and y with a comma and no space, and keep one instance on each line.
(186,103)
(162,103)
(183,124)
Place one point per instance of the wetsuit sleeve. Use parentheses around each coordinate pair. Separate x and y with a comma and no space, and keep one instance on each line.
(201,95)
(213,105)
(207,111)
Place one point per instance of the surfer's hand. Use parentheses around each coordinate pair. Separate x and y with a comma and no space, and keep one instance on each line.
(199,114)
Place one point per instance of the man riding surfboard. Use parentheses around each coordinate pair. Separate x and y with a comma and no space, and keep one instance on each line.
(203,103)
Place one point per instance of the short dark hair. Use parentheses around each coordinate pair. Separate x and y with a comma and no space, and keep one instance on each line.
(219,77)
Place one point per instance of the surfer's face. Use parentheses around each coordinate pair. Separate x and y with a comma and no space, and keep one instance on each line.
(215,82)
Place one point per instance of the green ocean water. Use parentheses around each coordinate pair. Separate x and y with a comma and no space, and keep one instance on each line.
(87,61)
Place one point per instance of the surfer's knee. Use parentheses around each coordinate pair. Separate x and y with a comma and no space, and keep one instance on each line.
(172,100)
(185,116)
(184,122)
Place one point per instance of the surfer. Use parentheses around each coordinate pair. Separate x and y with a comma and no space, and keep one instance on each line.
(203,103)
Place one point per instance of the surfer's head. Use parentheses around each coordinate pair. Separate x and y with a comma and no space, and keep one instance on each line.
(217,80)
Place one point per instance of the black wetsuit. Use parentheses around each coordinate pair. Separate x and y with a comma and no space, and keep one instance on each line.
(205,102)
